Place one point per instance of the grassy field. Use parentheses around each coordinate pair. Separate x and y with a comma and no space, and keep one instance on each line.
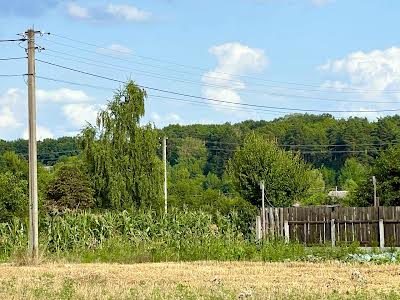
(201,280)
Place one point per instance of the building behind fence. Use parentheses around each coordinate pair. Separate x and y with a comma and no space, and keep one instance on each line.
(370,226)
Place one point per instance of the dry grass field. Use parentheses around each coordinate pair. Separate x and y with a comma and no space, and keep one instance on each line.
(201,280)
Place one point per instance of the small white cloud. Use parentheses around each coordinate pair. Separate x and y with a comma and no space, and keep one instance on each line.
(41,133)
(166,119)
(79,114)
(76,11)
(111,12)
(8,119)
(115,49)
(62,95)
(234,59)
(127,12)
(11,104)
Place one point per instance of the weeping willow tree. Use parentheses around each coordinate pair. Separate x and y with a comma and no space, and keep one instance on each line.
(121,154)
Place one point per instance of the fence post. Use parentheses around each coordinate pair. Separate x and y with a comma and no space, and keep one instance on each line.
(258,228)
(381,234)
(286,229)
(333,232)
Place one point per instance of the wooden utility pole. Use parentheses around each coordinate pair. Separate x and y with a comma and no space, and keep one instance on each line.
(165,174)
(262,207)
(33,193)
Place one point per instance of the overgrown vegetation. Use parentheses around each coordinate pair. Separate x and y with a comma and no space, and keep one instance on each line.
(105,203)
(144,236)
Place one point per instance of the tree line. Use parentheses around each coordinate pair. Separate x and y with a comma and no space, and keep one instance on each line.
(116,163)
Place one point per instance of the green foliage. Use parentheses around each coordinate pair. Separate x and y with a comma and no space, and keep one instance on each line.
(352,173)
(70,189)
(13,196)
(49,150)
(192,154)
(139,236)
(387,172)
(329,176)
(121,154)
(284,173)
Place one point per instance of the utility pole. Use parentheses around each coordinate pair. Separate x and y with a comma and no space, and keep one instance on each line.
(165,174)
(376,202)
(262,207)
(33,193)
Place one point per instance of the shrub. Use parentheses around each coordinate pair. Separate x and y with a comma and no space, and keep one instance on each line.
(70,189)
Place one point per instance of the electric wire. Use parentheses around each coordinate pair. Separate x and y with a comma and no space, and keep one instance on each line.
(13,40)
(12,58)
(174,99)
(247,91)
(202,68)
(219,100)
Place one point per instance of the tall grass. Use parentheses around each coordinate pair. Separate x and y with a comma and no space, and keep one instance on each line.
(140,236)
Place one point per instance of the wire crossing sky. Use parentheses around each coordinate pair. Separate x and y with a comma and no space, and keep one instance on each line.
(201,61)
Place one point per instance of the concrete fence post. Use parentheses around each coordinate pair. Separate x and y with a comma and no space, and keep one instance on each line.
(333,232)
(381,234)
(286,230)
(258,228)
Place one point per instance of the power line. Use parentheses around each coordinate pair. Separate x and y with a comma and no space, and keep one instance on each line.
(391,142)
(12,75)
(12,58)
(202,68)
(176,79)
(13,40)
(218,100)
(186,101)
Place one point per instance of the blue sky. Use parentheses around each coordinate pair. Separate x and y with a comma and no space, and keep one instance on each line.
(328,55)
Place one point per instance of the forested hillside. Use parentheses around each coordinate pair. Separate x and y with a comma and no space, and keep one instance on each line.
(321,140)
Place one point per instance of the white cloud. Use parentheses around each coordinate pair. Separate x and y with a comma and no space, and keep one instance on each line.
(41,133)
(62,95)
(165,119)
(128,12)
(76,11)
(115,49)
(370,76)
(372,73)
(10,103)
(79,114)
(8,119)
(234,59)
(117,12)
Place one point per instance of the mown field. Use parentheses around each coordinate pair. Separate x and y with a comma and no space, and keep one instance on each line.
(201,280)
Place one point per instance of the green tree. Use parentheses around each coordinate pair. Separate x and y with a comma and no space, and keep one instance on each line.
(192,154)
(284,173)
(70,189)
(121,154)
(352,173)
(387,172)
(329,176)
(13,196)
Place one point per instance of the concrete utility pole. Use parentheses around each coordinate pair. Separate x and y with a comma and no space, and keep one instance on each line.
(165,174)
(33,193)
(262,206)
(376,202)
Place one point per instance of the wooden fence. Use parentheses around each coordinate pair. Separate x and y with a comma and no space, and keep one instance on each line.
(370,226)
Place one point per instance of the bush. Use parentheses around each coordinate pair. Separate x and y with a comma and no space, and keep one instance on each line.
(70,189)
(13,197)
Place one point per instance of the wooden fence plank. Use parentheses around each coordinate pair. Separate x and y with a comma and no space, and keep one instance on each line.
(312,225)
